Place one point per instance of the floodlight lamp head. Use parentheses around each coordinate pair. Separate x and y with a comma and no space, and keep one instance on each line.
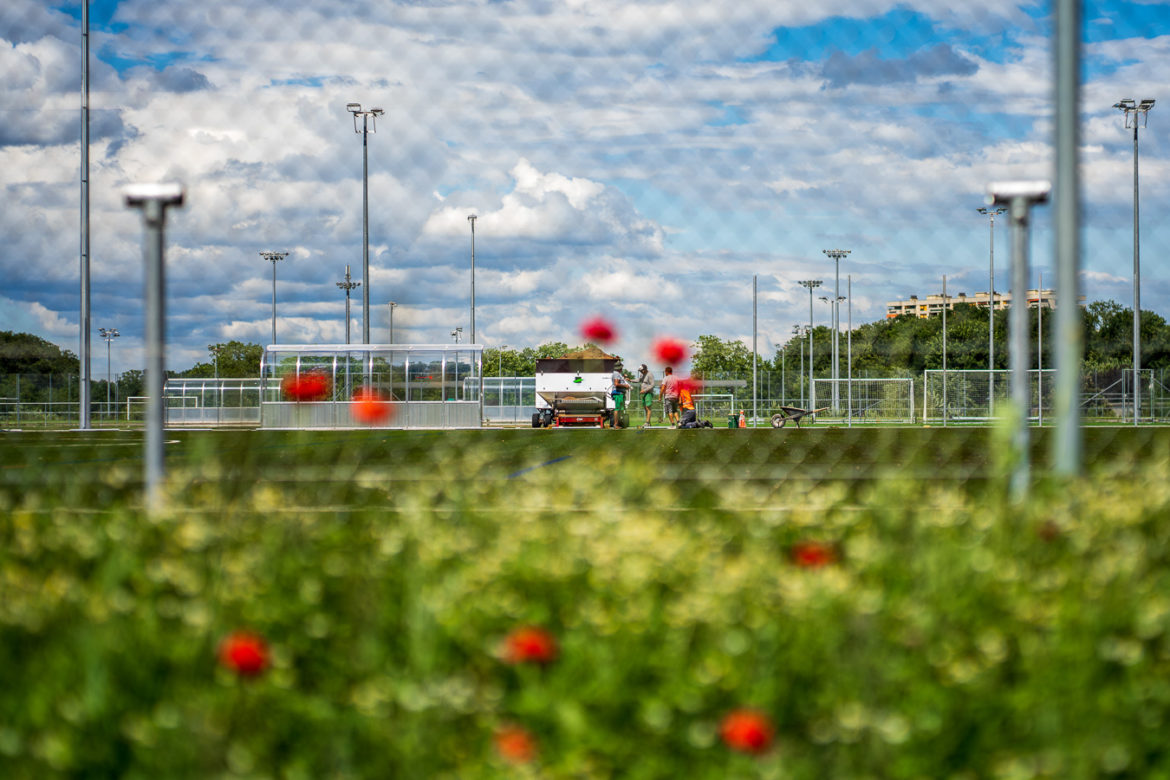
(353,108)
(1146,104)
(377,111)
(999,193)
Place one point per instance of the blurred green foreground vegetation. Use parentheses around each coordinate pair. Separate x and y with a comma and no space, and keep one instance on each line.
(947,633)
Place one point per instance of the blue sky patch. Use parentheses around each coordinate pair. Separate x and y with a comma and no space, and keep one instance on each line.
(729,115)
(1117,19)
(853,36)
(299,81)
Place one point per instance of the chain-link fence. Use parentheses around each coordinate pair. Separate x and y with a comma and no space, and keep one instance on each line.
(865,593)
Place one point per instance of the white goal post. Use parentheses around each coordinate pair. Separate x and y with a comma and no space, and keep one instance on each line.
(869,400)
(715,406)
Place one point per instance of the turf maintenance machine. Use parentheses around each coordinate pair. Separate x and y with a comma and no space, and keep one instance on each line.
(573,392)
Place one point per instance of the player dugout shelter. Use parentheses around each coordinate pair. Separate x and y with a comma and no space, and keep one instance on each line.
(429,385)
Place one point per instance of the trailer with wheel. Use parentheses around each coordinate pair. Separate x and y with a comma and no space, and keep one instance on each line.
(573,391)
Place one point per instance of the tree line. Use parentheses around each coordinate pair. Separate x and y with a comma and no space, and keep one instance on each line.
(908,345)
(899,346)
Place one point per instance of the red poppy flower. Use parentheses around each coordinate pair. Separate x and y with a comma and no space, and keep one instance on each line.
(747,731)
(670,351)
(311,386)
(370,407)
(244,653)
(515,744)
(598,330)
(813,555)
(530,645)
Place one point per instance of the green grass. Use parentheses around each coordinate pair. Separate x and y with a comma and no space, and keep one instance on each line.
(88,469)
(957,634)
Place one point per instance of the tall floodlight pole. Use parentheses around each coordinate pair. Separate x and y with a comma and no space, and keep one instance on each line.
(798,331)
(944,355)
(783,389)
(1020,197)
(84,346)
(274,258)
(991,212)
(367,128)
(471,218)
(849,353)
(392,305)
(836,254)
(348,285)
(811,284)
(109,335)
(1069,331)
(154,199)
(1040,350)
(755,326)
(1136,114)
(834,310)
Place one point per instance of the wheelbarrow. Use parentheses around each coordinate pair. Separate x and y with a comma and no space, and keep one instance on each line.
(793,414)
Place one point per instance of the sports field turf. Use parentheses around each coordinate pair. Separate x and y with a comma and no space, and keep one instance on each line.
(344,466)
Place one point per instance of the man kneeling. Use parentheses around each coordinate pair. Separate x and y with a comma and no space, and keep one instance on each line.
(689,419)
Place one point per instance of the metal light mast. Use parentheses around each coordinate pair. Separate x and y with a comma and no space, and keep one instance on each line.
(348,285)
(991,212)
(836,254)
(274,257)
(1136,114)
(108,335)
(471,218)
(811,284)
(367,128)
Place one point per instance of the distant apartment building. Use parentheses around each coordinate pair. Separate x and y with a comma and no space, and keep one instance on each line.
(933,304)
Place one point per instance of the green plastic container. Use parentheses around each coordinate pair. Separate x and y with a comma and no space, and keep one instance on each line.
(733,421)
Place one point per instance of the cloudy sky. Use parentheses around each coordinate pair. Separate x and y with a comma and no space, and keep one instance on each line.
(638,159)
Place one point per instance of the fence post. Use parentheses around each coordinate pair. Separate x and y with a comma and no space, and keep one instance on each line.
(154,199)
(1019,197)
